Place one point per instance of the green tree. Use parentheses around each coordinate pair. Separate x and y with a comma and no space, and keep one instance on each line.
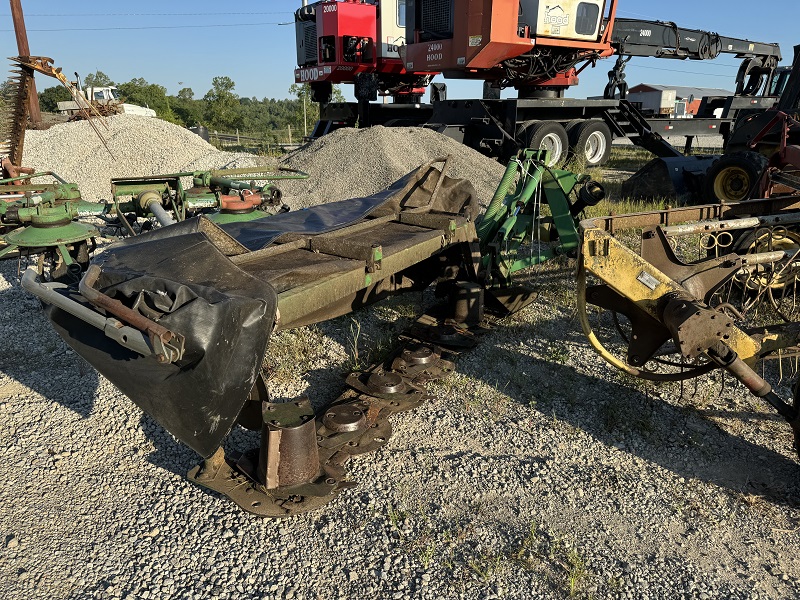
(188,111)
(50,97)
(222,105)
(186,94)
(151,95)
(97,79)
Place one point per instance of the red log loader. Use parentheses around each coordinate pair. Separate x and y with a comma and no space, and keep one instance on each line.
(535,47)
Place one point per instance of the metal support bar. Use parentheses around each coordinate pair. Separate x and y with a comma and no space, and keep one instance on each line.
(731,224)
(130,338)
(167,345)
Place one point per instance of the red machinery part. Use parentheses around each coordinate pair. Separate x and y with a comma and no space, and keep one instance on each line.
(488,34)
(246,202)
(346,34)
(9,170)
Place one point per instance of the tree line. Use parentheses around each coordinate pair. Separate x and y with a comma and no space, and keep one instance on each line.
(220,109)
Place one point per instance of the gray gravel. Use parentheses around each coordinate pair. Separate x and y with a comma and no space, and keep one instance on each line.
(139,145)
(535,471)
(350,163)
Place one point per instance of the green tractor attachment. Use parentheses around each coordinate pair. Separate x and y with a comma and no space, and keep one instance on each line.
(44,218)
(533,216)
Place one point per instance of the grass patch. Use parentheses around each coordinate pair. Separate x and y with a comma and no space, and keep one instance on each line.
(291,354)
(363,351)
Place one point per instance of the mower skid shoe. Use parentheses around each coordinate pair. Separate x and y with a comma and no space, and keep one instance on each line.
(508,301)
(225,476)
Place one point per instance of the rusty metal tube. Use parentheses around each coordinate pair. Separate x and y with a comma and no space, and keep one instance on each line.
(125,336)
(730,224)
(289,455)
(160,337)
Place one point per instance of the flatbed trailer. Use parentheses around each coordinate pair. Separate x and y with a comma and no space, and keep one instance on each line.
(500,127)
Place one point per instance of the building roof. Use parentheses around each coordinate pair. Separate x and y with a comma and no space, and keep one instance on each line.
(680,91)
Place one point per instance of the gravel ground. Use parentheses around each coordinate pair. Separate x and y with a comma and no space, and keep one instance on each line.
(535,471)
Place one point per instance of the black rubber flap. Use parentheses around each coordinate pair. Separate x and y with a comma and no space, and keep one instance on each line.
(187,285)
(259,233)
(412,190)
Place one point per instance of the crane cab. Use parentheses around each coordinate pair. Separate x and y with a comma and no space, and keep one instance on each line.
(564,19)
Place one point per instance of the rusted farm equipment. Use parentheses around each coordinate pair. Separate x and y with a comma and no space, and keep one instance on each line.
(201,316)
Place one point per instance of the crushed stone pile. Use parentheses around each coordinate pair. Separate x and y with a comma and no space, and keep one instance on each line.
(348,163)
(352,163)
(140,146)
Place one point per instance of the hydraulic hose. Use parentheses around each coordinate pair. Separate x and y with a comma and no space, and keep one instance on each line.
(499,197)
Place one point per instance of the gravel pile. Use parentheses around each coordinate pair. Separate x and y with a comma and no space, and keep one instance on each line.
(358,162)
(139,145)
(536,471)
(346,164)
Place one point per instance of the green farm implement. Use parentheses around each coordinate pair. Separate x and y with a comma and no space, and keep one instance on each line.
(199,317)
(45,218)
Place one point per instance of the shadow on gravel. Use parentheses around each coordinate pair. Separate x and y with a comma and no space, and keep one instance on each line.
(680,439)
(34,355)
(169,454)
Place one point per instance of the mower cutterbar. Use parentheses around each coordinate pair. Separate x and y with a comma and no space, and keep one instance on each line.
(200,316)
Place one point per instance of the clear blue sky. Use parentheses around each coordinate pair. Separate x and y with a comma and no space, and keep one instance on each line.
(184,44)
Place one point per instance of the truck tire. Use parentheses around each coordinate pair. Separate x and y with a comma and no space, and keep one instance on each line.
(590,143)
(570,125)
(734,177)
(547,135)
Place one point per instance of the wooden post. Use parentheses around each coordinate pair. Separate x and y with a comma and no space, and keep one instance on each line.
(24,50)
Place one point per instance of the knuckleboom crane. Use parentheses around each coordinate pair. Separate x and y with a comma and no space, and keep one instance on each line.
(540,48)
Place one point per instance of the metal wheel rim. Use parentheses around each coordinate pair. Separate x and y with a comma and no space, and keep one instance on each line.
(726,187)
(553,144)
(787,241)
(595,147)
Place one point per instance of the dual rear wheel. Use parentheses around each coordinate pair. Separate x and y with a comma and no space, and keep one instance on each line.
(584,142)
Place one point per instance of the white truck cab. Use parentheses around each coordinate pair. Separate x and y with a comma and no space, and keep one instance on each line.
(105,95)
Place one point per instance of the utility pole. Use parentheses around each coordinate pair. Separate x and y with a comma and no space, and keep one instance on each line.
(305,119)
(24,50)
